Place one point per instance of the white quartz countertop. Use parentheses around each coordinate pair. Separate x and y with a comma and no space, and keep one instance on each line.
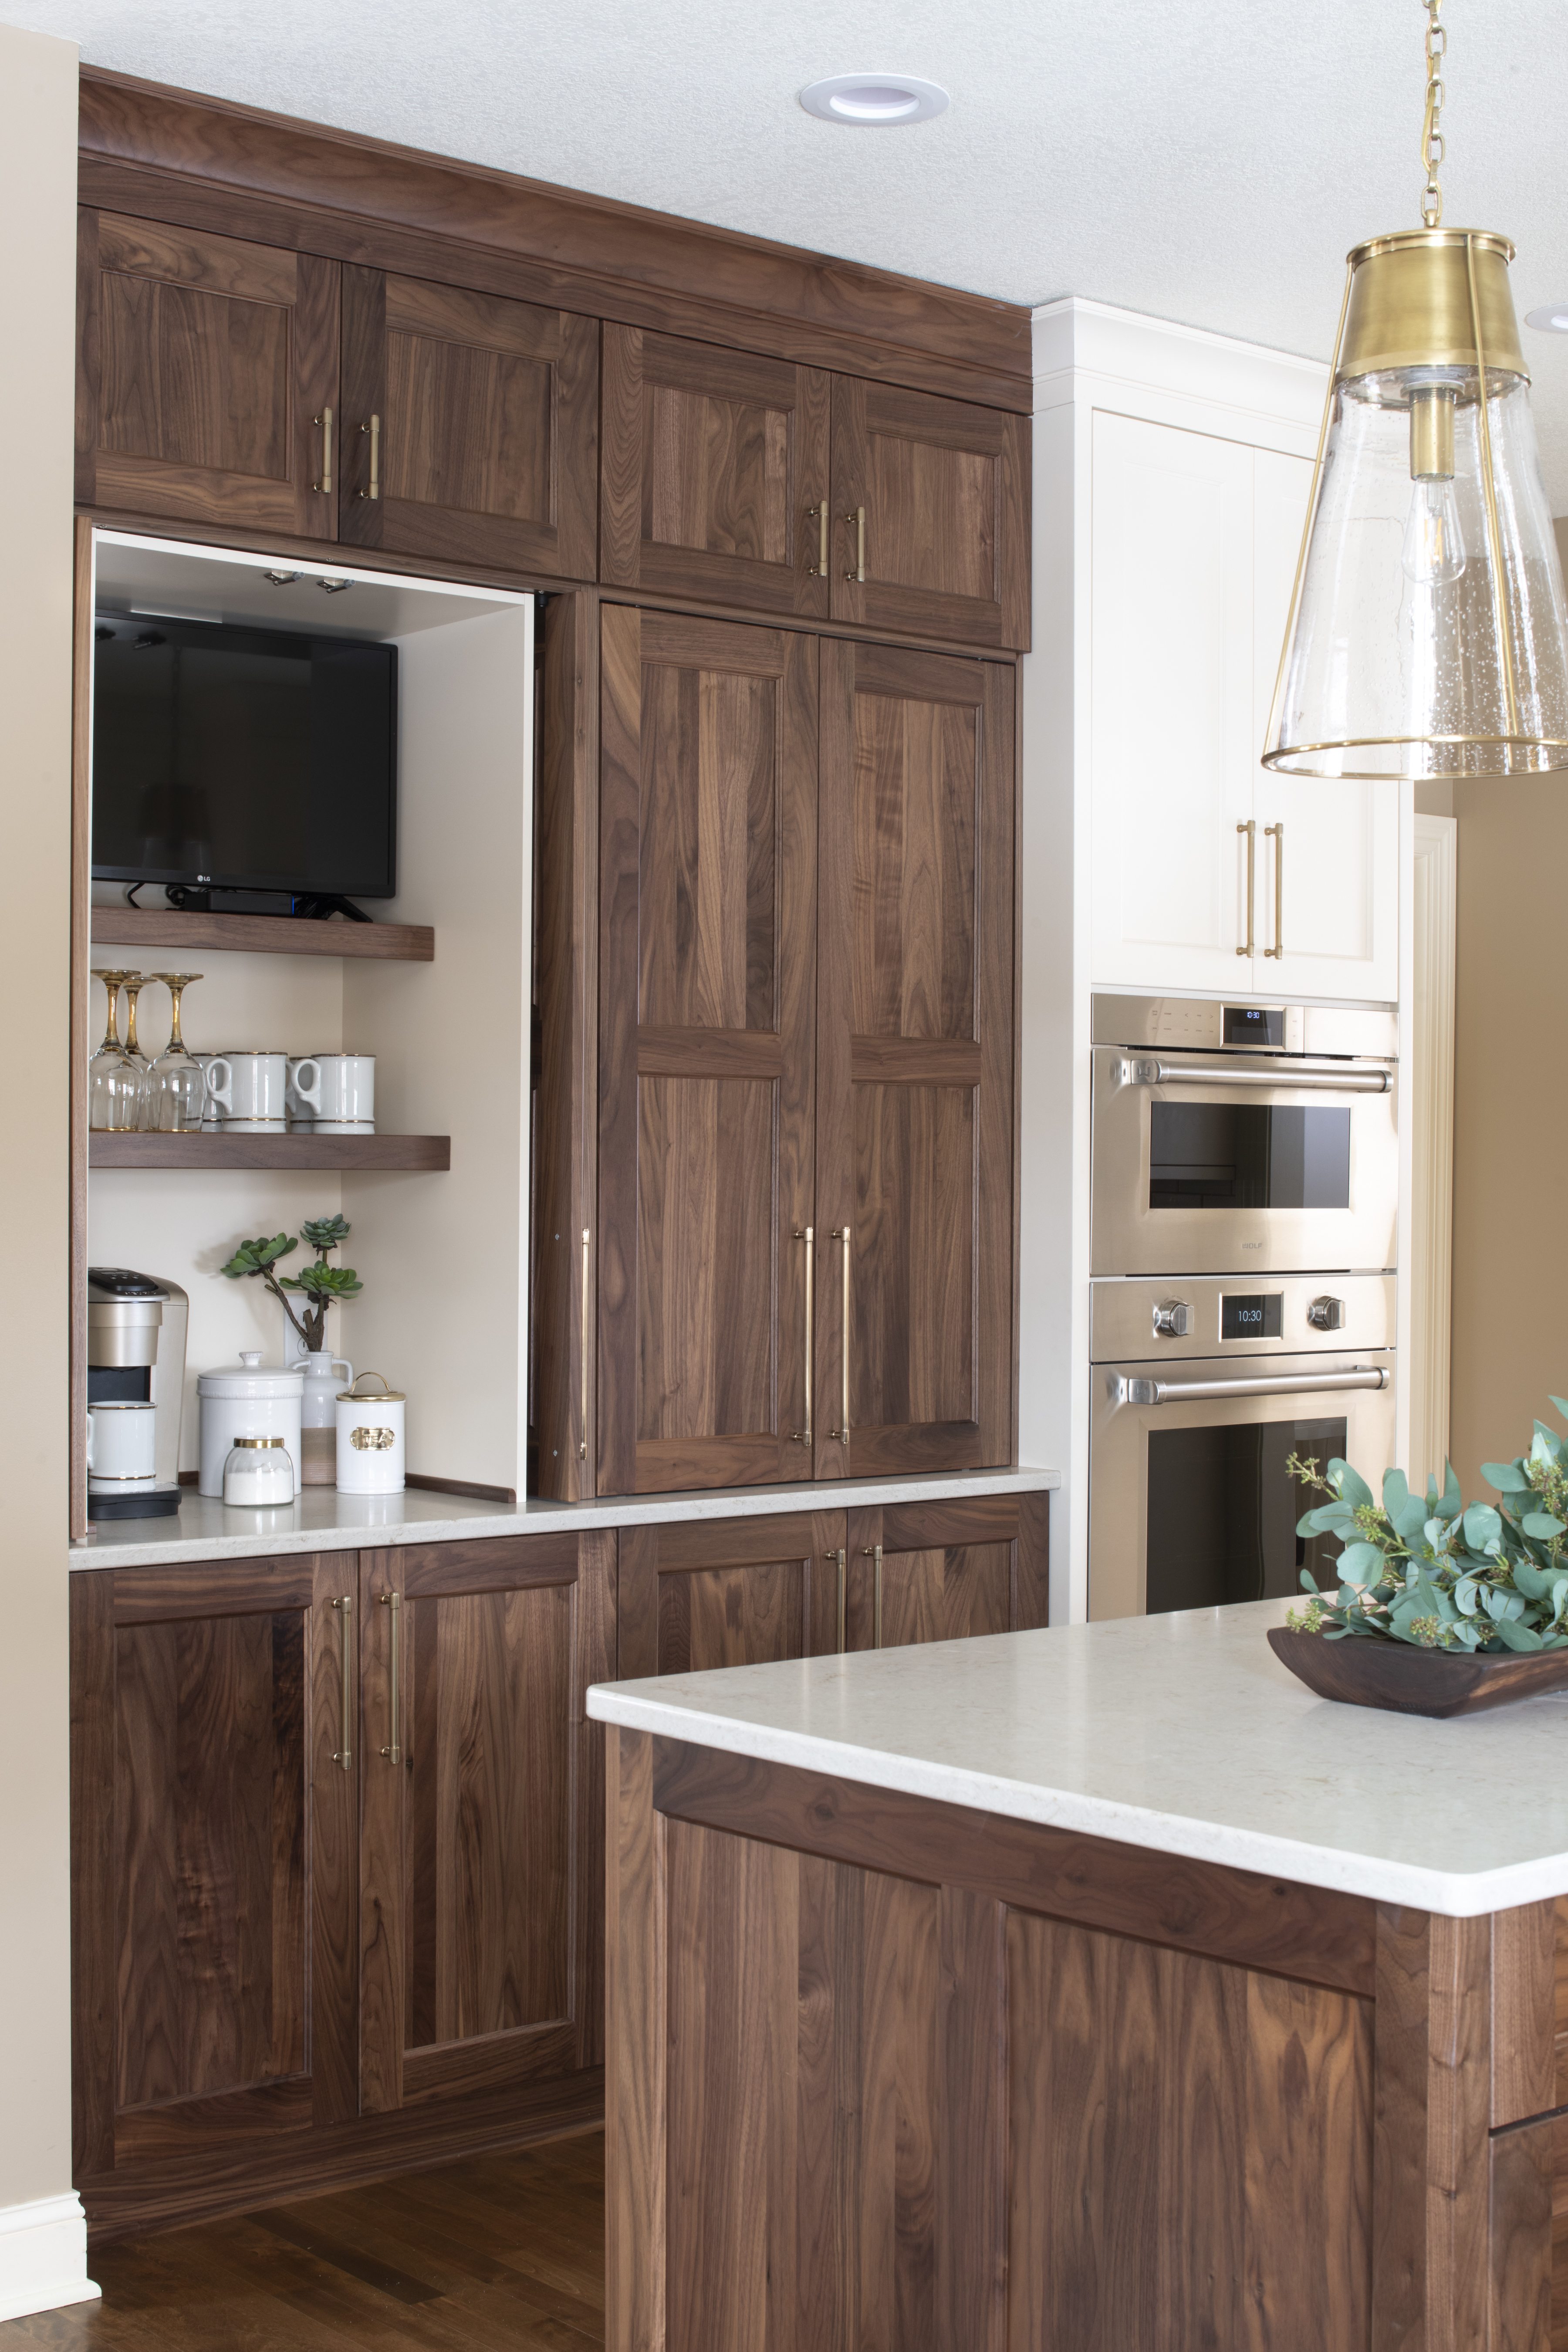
(320,1519)
(1180,1733)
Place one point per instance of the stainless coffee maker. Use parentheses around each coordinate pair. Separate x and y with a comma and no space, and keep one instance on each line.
(136,1354)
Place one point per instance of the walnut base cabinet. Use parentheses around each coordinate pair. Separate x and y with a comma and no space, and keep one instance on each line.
(311,1946)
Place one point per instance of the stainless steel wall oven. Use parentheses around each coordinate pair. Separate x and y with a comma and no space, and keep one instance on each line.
(1245,1198)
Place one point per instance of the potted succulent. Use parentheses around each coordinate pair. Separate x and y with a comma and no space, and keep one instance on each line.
(318,1286)
(1440,1607)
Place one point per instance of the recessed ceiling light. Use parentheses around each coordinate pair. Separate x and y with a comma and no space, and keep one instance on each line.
(872,101)
(1552,321)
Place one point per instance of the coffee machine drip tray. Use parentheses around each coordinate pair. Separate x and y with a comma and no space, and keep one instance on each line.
(150,1502)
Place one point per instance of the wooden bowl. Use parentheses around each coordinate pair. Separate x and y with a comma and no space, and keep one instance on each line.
(1363,1672)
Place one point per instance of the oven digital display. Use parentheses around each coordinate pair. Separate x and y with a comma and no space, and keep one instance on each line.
(1254,1025)
(1250,1315)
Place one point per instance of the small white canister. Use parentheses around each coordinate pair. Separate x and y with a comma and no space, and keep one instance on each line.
(257,1474)
(246,1399)
(371,1439)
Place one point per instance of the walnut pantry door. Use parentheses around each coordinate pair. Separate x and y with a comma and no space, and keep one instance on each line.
(707,958)
(481,1836)
(914,1191)
(471,425)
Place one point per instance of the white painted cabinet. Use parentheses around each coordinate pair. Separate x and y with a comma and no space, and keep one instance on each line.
(1194,541)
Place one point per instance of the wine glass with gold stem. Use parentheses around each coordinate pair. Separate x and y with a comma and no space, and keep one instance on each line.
(132,987)
(176,1081)
(114,1080)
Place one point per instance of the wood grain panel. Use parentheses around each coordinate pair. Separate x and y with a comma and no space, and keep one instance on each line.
(638,2021)
(1433,2096)
(118,925)
(81,1008)
(946,497)
(1306,1933)
(732,1616)
(916,829)
(205,363)
(707,940)
(489,425)
(1523,1998)
(94,2008)
(711,458)
(945,1595)
(336,1765)
(1190,2150)
(1525,2310)
(594,1662)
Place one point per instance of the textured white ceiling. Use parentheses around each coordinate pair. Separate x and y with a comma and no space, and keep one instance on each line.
(1208,163)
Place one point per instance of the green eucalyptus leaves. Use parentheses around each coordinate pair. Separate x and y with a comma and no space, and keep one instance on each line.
(1429,1571)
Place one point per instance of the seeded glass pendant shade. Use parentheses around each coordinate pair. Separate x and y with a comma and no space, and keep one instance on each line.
(1429,632)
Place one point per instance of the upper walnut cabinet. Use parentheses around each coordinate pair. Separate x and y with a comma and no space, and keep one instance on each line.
(209,377)
(470,426)
(930,515)
(750,482)
(715,474)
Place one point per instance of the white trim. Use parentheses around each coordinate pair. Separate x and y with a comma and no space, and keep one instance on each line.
(1431,1117)
(43,2256)
(309,568)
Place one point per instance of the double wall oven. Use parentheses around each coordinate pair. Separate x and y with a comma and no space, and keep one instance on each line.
(1244,1208)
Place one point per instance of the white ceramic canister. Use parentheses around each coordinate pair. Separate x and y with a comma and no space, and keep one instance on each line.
(371,1440)
(246,1399)
(325,1374)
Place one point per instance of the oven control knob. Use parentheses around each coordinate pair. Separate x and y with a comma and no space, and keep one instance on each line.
(1173,1319)
(1327,1313)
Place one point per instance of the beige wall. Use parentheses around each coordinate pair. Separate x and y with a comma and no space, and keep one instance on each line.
(1510,1115)
(37,205)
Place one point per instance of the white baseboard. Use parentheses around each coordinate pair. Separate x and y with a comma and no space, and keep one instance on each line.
(43,2256)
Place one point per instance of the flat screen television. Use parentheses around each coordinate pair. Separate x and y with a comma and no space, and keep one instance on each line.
(242,759)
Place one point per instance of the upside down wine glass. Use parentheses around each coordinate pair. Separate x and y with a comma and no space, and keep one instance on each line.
(114,1087)
(176,1081)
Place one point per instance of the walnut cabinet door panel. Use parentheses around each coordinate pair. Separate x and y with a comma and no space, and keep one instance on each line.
(914,1129)
(707,968)
(481,1854)
(471,425)
(930,514)
(214,1794)
(942,1571)
(207,377)
(715,477)
(730,1592)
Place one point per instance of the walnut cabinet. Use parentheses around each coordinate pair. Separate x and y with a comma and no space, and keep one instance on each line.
(805,1186)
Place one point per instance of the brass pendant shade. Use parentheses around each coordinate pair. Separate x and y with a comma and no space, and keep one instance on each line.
(1429,632)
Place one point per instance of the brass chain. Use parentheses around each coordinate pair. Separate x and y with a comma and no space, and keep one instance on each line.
(1431,137)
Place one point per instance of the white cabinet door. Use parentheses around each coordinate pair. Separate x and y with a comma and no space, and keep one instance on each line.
(1173,755)
(1327,854)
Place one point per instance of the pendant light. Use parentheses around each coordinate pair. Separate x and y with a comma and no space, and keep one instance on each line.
(1428,633)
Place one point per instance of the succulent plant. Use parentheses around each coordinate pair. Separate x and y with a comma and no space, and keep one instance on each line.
(1440,1574)
(321,1284)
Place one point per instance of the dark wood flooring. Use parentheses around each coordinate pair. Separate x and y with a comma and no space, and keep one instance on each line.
(497,2251)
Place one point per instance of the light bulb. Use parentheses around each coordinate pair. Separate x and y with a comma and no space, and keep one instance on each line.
(1434,552)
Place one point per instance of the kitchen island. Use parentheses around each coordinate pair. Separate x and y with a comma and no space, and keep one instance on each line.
(1096,1990)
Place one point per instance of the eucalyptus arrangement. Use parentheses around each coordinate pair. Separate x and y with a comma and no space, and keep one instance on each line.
(1436,1573)
(318,1286)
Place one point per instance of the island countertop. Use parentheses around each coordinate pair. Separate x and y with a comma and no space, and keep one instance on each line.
(1181,1734)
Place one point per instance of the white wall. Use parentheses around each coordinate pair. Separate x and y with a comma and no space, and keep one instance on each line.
(43,2239)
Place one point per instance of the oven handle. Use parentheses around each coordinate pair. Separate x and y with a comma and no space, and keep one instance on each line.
(1135,1391)
(1183,1074)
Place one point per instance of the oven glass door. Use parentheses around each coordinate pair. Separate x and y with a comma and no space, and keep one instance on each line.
(1212,1172)
(1192,1505)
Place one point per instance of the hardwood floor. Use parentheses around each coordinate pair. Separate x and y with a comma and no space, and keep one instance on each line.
(501,2251)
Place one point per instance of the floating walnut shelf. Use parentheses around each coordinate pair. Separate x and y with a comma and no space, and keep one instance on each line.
(174,928)
(358,1154)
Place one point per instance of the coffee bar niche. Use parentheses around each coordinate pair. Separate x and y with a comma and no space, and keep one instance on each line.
(436,987)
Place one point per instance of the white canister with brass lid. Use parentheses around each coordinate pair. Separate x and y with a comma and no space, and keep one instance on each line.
(371,1434)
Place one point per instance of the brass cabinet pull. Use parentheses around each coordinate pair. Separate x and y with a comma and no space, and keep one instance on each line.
(344,1754)
(373,429)
(841,1233)
(325,422)
(586,1342)
(1276,833)
(856,515)
(873,1552)
(807,1233)
(393,1601)
(842,1596)
(1250,829)
(819,570)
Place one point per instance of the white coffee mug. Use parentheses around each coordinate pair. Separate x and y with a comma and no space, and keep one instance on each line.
(336,1091)
(121,1441)
(248,1089)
